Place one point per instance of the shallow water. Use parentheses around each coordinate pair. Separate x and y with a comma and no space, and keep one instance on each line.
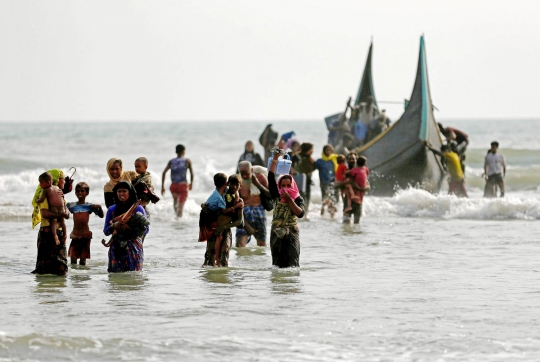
(424,278)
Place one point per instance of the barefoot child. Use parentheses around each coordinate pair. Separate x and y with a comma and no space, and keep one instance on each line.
(342,174)
(55,198)
(79,248)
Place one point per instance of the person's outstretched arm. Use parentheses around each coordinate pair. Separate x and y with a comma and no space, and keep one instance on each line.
(188,161)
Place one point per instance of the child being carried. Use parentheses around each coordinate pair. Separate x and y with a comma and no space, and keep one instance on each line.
(222,211)
(55,198)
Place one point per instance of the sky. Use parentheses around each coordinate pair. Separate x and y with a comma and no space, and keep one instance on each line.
(262,60)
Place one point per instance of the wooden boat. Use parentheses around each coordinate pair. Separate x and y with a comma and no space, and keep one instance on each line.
(398,158)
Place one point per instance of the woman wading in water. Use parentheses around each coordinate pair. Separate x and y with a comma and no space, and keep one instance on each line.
(126,248)
(51,258)
(289,205)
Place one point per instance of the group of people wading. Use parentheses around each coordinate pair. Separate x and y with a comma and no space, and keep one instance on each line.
(127,222)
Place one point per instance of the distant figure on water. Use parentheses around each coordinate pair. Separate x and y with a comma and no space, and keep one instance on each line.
(285,235)
(251,156)
(51,258)
(81,236)
(495,171)
(268,140)
(179,184)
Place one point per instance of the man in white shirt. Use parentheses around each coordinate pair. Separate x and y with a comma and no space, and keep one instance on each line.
(495,170)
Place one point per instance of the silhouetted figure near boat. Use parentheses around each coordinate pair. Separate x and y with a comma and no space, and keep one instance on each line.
(367,111)
(456,180)
(251,156)
(457,140)
(268,140)
(378,125)
(495,171)
(338,126)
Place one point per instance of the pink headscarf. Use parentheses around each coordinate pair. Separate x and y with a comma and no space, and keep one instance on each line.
(293,190)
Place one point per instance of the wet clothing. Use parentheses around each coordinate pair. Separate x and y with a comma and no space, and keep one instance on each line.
(80,242)
(329,191)
(340,173)
(326,171)
(457,187)
(226,245)
(36,213)
(356,211)
(79,248)
(216,201)
(359,175)
(495,163)
(126,251)
(284,235)
(255,216)
(453,165)
(51,258)
(178,170)
(180,190)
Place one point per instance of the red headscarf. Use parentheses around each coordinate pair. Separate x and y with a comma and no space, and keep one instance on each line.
(293,190)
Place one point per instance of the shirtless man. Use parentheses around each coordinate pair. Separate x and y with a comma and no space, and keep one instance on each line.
(254,181)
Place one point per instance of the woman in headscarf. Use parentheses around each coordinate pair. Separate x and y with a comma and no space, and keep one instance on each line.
(114,169)
(51,258)
(126,250)
(289,205)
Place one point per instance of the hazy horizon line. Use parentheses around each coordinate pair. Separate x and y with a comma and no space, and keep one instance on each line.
(252,120)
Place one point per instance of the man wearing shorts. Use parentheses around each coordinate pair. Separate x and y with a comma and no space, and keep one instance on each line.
(254,181)
(495,170)
(179,186)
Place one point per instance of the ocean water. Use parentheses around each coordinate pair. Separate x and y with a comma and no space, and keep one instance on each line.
(424,277)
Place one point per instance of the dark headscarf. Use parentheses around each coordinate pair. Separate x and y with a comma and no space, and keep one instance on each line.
(123,207)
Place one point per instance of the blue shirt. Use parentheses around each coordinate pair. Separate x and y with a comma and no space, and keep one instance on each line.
(327,173)
(360,130)
(74,208)
(178,170)
(216,201)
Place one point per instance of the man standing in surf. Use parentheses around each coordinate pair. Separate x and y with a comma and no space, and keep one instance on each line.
(254,181)
(179,186)
(495,170)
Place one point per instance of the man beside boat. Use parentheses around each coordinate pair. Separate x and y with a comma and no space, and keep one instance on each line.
(456,180)
(457,140)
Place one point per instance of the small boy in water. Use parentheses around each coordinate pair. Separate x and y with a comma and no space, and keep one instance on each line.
(342,173)
(55,198)
(81,235)
(141,165)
